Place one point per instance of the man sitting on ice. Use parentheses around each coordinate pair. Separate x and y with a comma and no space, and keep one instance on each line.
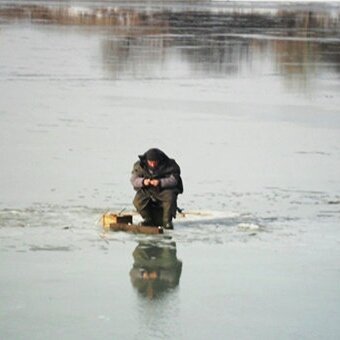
(157,180)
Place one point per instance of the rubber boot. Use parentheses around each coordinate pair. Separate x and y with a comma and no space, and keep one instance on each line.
(168,225)
(147,217)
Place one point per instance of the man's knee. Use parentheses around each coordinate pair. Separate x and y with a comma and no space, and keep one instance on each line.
(169,195)
(136,202)
(140,201)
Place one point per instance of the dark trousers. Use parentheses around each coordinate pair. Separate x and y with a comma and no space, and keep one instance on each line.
(147,201)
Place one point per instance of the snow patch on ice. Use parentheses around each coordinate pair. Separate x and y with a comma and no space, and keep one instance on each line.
(248,226)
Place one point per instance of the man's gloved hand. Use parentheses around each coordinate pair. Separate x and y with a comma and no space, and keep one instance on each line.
(146,182)
(155,182)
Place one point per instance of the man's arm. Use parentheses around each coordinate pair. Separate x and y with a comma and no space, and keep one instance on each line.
(136,181)
(137,178)
(168,182)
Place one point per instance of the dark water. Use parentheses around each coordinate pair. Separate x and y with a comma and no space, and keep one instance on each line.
(215,41)
(244,96)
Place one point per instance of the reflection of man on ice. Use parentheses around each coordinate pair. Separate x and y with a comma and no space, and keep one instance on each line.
(156,268)
(157,180)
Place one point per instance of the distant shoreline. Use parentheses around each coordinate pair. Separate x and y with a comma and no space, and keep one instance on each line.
(87,6)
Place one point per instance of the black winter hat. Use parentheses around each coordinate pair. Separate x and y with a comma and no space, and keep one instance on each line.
(154,155)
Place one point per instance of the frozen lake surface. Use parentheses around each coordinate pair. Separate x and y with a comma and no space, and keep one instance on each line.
(244,97)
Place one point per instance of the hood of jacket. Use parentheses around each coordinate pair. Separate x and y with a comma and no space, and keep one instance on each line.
(155,155)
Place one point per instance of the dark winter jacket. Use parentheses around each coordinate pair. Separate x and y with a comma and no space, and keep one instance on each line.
(167,171)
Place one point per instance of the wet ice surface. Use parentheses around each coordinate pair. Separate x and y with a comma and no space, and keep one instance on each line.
(245,98)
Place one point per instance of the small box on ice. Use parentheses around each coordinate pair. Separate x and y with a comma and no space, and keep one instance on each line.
(110,218)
